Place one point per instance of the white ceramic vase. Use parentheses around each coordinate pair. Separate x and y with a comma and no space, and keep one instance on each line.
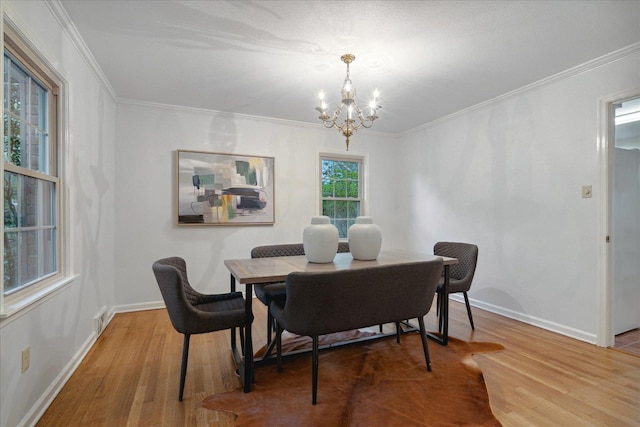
(320,240)
(365,239)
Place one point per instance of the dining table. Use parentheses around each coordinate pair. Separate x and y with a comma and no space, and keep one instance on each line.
(252,271)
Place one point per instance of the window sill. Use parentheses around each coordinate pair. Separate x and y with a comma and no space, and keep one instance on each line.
(28,302)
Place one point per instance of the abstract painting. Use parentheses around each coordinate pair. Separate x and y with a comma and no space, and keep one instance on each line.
(224,189)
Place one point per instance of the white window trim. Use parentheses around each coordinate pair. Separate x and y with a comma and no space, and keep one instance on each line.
(32,299)
(12,306)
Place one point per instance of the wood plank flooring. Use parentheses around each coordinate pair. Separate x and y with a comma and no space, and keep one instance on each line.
(130,377)
(629,341)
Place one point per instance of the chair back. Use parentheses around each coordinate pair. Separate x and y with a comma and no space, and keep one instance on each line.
(180,265)
(319,303)
(287,249)
(171,275)
(467,255)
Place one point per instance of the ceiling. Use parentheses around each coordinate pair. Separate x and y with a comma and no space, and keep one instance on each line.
(428,59)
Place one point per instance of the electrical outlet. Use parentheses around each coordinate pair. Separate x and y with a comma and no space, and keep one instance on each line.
(26,359)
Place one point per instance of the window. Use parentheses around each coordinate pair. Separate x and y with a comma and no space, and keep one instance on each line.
(30,166)
(342,190)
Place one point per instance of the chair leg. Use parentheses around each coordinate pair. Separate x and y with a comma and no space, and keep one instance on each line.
(314,369)
(241,340)
(466,300)
(423,337)
(183,369)
(437,304)
(270,347)
(440,314)
(279,346)
(269,325)
(398,329)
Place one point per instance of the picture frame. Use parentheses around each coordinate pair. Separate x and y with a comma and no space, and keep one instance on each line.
(224,189)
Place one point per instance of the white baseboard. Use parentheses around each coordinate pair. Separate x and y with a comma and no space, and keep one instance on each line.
(36,412)
(45,400)
(43,403)
(531,320)
(153,305)
(521,317)
(40,407)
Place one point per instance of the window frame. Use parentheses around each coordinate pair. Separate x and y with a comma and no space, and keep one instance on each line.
(30,59)
(361,160)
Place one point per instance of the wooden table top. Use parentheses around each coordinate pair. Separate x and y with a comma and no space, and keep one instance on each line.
(276,269)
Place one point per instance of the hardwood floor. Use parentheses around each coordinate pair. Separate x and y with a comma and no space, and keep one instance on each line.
(629,341)
(130,377)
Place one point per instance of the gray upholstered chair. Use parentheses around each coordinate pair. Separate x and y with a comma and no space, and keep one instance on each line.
(192,312)
(328,302)
(461,274)
(267,292)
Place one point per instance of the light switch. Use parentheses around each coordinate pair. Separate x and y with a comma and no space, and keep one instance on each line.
(586,191)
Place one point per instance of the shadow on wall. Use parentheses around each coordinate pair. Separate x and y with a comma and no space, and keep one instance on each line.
(222,137)
(89,201)
(500,299)
(87,192)
(193,242)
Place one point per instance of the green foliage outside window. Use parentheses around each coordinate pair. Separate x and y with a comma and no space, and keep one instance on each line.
(341,192)
(30,196)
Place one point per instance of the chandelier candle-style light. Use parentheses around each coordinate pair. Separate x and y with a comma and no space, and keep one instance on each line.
(355,118)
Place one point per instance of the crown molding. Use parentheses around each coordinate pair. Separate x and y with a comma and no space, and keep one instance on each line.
(238,116)
(571,72)
(67,24)
(69,27)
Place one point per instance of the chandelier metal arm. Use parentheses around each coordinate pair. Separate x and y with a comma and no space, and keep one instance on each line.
(349,125)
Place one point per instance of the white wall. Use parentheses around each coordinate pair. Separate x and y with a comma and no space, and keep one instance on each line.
(146,141)
(508,176)
(60,329)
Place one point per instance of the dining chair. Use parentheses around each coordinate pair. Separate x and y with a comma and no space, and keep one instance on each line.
(321,303)
(460,275)
(268,292)
(192,312)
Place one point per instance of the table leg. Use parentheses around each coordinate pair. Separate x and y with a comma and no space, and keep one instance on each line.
(445,307)
(444,312)
(244,364)
(234,347)
(248,342)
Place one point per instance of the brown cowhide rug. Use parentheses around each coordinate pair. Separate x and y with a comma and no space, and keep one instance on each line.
(375,383)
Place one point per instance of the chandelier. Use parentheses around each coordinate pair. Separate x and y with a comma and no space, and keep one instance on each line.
(355,119)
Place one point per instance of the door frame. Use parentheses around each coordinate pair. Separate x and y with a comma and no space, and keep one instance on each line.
(605,146)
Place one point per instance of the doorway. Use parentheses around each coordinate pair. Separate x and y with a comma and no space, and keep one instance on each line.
(625,225)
